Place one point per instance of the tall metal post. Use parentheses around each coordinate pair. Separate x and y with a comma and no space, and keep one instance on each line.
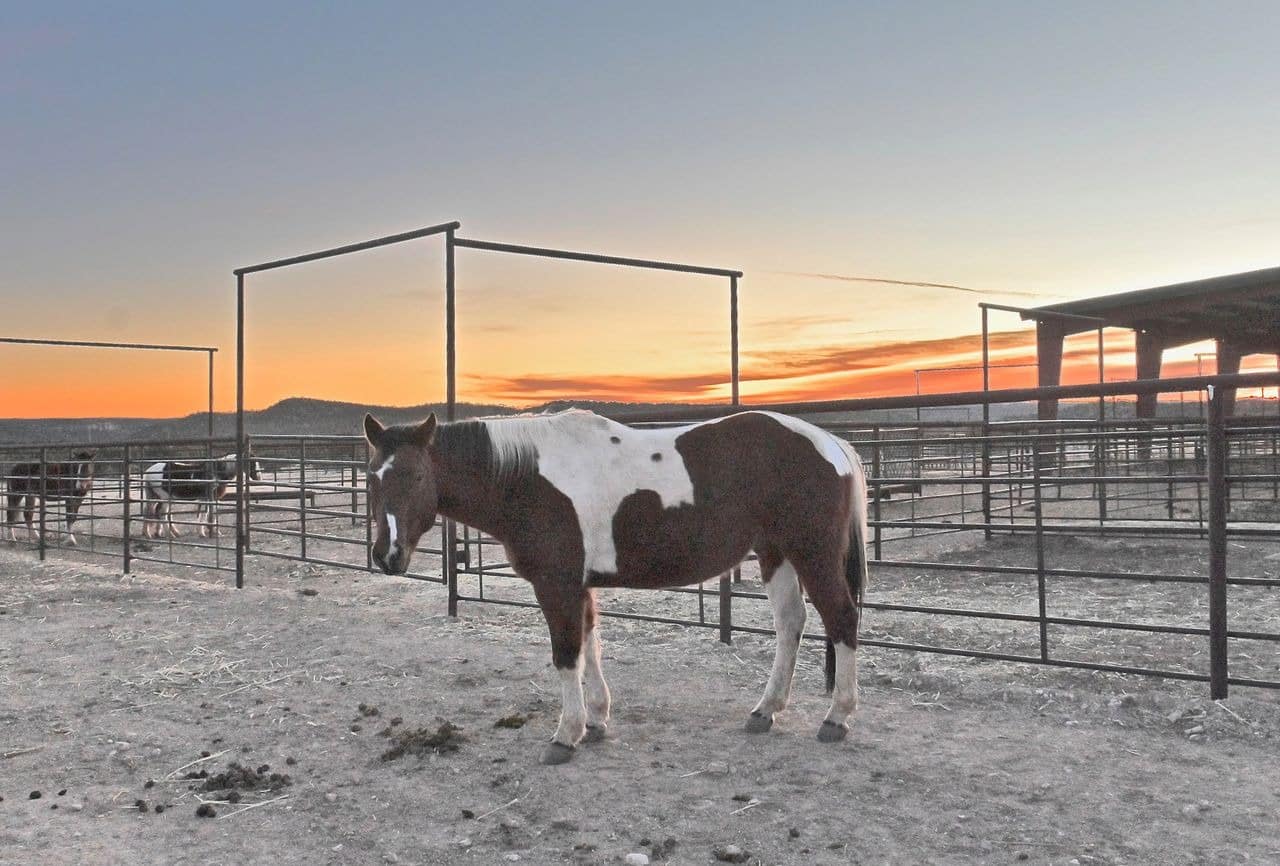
(1102,435)
(986,428)
(449,530)
(302,496)
(125,498)
(242,498)
(726,580)
(1041,589)
(733,338)
(1216,460)
(210,353)
(44,481)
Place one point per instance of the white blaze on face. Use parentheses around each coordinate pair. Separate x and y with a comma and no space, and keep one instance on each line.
(382,470)
(393,534)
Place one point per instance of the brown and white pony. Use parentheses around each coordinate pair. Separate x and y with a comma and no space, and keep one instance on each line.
(188,481)
(68,483)
(580,501)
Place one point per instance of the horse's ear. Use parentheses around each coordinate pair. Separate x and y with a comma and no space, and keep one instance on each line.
(425,432)
(373,430)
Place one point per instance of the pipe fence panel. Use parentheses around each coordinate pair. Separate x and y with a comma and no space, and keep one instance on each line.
(100,512)
(1141,548)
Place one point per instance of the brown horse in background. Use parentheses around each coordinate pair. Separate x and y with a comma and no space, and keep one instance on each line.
(68,483)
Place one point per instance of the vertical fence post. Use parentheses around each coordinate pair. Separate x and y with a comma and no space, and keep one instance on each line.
(877,491)
(1038,512)
(368,515)
(210,354)
(302,495)
(242,498)
(448,529)
(726,610)
(355,499)
(44,477)
(986,430)
(1216,459)
(726,580)
(126,495)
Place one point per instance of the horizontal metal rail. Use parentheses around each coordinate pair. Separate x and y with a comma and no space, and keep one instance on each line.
(546,253)
(349,248)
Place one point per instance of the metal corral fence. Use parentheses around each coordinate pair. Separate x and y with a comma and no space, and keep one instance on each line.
(1100,546)
(93,503)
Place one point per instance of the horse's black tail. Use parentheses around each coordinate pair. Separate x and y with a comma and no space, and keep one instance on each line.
(855,563)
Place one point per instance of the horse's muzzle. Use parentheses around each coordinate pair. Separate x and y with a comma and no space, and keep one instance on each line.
(395,564)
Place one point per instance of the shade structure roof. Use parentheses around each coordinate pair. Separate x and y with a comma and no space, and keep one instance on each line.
(1241,309)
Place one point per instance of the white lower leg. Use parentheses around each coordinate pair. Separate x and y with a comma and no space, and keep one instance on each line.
(597,690)
(789,616)
(573,711)
(844,697)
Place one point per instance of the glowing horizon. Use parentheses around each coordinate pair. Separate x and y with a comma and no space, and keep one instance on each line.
(803,373)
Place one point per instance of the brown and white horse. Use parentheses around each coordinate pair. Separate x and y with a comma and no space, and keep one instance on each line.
(68,483)
(188,481)
(580,501)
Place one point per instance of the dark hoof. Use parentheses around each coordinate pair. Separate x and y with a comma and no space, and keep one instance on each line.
(557,753)
(595,734)
(757,723)
(830,732)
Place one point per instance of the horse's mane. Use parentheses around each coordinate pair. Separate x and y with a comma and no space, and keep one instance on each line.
(504,448)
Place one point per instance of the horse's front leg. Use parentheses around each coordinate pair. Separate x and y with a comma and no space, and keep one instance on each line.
(597,690)
(72,511)
(28,513)
(561,600)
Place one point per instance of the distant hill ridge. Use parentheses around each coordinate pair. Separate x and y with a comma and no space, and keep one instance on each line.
(309,415)
(291,415)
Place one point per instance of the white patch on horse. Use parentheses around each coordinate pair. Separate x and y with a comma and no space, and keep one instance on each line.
(844,697)
(392,533)
(382,470)
(576,453)
(789,615)
(573,709)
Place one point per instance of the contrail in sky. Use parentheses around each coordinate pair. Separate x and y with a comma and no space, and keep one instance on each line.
(854,279)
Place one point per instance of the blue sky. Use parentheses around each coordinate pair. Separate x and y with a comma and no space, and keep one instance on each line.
(1063,150)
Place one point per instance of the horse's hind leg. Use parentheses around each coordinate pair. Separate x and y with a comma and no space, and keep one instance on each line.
(562,603)
(11,516)
(789,614)
(597,690)
(28,514)
(822,576)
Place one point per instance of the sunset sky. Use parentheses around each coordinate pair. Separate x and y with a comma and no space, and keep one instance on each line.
(1022,153)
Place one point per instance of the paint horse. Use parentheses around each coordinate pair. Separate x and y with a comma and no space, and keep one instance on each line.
(67,483)
(580,502)
(188,481)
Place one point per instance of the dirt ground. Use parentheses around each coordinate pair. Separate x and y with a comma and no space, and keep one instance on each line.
(112,681)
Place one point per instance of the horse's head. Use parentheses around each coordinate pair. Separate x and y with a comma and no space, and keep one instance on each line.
(227,467)
(83,461)
(402,489)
